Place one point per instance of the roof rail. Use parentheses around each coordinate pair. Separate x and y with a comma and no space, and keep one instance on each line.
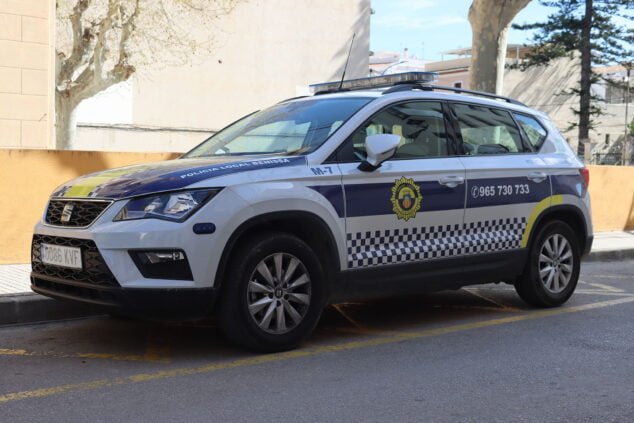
(429,87)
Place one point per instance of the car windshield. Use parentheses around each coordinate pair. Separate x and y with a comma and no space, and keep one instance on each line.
(291,128)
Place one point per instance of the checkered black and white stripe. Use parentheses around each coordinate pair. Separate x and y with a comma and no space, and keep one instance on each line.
(391,246)
(493,235)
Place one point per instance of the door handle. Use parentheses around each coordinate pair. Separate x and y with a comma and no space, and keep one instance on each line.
(537,176)
(451,181)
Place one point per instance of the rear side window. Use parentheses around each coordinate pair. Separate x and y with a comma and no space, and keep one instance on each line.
(534,131)
(487,131)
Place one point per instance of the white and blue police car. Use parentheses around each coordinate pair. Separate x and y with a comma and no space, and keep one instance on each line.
(370,187)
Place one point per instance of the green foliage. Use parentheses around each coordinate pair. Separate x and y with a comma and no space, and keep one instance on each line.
(611,38)
(631,128)
(610,41)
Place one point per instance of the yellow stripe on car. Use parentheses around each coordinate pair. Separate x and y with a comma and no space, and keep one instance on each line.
(537,210)
(85,186)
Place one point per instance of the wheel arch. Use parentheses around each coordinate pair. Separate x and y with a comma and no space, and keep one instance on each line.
(568,214)
(308,226)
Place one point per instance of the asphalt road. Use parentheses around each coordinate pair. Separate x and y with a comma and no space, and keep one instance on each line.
(474,355)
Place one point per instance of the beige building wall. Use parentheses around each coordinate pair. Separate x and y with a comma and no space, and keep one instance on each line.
(29,176)
(26,73)
(266,50)
(132,138)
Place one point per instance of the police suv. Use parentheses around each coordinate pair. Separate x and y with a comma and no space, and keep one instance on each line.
(370,187)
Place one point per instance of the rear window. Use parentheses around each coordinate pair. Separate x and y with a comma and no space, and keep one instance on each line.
(534,131)
(486,130)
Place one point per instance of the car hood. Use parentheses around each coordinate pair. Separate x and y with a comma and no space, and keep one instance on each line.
(169,175)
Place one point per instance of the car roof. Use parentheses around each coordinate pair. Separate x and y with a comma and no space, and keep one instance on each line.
(424,94)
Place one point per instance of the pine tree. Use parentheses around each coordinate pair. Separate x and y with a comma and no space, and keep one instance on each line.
(592,30)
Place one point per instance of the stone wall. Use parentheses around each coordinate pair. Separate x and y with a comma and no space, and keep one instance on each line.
(25,73)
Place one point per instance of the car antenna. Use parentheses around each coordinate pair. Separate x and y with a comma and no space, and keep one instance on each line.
(343,76)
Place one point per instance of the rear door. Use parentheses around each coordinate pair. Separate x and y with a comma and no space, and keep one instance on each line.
(507,185)
(411,209)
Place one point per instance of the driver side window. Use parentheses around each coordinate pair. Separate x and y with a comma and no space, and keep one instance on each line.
(420,125)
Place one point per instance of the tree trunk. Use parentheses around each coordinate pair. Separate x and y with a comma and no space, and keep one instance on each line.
(586,80)
(65,121)
(490,21)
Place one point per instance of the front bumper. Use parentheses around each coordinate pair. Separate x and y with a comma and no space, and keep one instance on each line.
(151,303)
(95,284)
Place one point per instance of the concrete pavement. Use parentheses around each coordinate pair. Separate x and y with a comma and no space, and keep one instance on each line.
(14,278)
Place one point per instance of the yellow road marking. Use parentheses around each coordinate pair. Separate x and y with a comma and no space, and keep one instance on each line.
(602,286)
(5,351)
(305,352)
(475,292)
(611,276)
(149,356)
(339,309)
(602,292)
(158,348)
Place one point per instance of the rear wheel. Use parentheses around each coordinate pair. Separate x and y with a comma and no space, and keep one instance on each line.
(552,270)
(272,294)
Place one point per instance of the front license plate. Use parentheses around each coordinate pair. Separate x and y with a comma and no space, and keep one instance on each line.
(57,255)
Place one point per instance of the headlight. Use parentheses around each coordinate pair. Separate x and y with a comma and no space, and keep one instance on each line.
(175,206)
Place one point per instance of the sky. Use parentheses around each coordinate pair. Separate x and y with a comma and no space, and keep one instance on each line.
(428,27)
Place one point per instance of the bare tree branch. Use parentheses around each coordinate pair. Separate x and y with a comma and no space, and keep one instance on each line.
(101,44)
(77,52)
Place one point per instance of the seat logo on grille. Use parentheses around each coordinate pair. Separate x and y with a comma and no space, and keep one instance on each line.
(67,213)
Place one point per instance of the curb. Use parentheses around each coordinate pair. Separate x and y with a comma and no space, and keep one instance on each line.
(29,308)
(610,255)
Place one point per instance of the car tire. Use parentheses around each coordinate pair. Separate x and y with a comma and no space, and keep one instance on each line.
(552,268)
(272,293)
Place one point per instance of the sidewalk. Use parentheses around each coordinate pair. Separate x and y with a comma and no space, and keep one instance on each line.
(14,278)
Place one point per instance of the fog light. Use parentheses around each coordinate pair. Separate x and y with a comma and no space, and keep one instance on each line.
(163,256)
(162,264)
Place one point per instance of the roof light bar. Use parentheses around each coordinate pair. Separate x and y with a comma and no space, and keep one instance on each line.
(375,82)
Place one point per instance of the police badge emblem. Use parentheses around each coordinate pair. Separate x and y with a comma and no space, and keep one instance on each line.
(406,198)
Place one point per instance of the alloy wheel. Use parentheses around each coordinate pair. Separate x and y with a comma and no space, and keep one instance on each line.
(279,293)
(556,263)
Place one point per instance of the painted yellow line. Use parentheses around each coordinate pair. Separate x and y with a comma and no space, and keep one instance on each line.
(629,277)
(5,351)
(603,286)
(305,352)
(150,356)
(476,293)
(602,292)
(340,309)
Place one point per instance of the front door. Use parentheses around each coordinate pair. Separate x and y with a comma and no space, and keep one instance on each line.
(411,209)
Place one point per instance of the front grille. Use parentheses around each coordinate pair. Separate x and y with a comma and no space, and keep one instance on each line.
(83,212)
(64,290)
(94,269)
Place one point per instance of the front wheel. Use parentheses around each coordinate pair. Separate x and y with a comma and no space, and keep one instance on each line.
(552,270)
(272,294)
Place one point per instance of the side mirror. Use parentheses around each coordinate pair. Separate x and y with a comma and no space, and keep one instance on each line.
(379,148)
